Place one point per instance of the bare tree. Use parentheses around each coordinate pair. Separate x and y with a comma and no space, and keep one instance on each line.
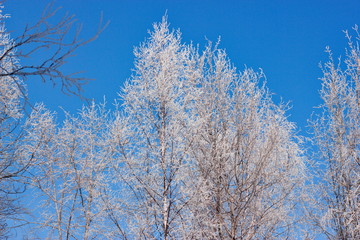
(55,43)
(337,137)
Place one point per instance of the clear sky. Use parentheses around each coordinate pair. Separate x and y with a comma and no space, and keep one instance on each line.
(285,38)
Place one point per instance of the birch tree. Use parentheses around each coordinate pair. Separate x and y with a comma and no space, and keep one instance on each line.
(156,155)
(337,135)
(209,155)
(198,151)
(71,172)
(248,164)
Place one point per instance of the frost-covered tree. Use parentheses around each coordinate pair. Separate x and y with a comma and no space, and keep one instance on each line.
(207,155)
(155,156)
(12,92)
(198,151)
(337,137)
(71,172)
(248,167)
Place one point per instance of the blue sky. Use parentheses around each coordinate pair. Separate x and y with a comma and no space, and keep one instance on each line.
(286,39)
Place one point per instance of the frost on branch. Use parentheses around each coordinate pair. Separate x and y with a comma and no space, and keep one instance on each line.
(71,172)
(210,155)
(248,167)
(337,135)
(198,150)
(12,94)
